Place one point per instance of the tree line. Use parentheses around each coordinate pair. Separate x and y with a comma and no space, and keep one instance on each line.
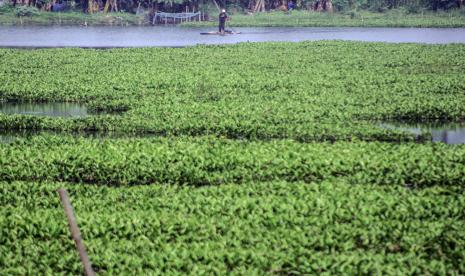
(90,6)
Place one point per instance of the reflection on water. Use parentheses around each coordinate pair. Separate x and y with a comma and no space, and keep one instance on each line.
(6,138)
(57,109)
(446,133)
(449,133)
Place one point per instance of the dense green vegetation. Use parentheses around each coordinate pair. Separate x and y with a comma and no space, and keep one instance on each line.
(393,18)
(213,161)
(312,91)
(268,158)
(387,13)
(415,6)
(236,6)
(252,228)
(36,17)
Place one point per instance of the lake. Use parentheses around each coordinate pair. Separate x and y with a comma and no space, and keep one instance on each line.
(172,36)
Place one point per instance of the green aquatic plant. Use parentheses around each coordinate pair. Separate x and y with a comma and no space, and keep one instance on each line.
(309,91)
(211,161)
(264,159)
(253,228)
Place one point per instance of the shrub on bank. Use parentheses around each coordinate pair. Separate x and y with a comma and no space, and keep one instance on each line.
(26,11)
(5,8)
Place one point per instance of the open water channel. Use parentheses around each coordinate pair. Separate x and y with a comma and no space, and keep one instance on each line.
(55,109)
(449,133)
(151,36)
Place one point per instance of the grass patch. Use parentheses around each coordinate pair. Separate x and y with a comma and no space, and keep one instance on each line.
(73,18)
(394,18)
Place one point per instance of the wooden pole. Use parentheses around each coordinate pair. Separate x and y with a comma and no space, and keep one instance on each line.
(75,233)
(107,5)
(216,4)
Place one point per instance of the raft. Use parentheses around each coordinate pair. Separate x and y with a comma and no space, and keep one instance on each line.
(218,33)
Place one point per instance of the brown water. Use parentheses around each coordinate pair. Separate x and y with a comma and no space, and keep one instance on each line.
(148,36)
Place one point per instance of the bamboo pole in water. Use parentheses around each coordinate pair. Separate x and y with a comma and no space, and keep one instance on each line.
(75,233)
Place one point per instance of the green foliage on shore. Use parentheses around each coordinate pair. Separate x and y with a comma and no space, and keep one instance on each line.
(42,18)
(392,18)
(351,18)
(25,11)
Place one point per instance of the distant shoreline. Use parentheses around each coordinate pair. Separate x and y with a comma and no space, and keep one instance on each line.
(73,19)
(394,18)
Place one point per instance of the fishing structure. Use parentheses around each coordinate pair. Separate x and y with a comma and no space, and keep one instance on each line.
(174,18)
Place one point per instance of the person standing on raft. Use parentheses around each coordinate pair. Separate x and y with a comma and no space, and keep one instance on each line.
(222,20)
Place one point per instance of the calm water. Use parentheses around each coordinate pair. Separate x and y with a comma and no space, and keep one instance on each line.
(447,133)
(103,37)
(64,110)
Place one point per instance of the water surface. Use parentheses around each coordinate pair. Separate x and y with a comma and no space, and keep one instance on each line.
(449,133)
(54,109)
(172,36)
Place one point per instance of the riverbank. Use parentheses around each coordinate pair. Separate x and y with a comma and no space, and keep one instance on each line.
(73,19)
(393,18)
